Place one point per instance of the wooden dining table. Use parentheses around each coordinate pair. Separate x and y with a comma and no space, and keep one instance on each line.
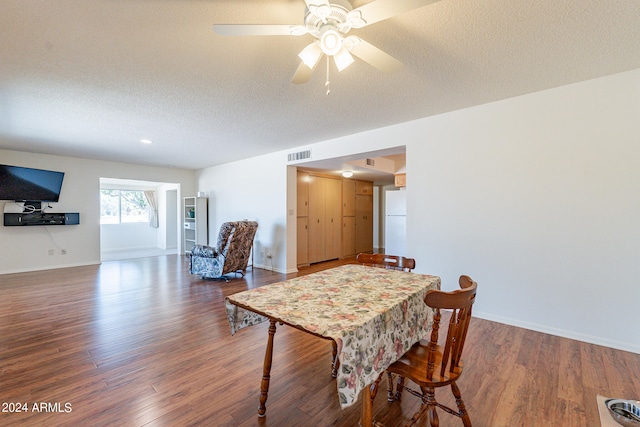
(373,315)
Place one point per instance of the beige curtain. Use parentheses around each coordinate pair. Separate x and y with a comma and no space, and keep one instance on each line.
(153,208)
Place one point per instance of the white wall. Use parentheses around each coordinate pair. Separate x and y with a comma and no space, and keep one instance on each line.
(27,248)
(128,236)
(169,206)
(253,189)
(535,197)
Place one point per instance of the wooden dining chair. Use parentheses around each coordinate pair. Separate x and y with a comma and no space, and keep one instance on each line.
(432,366)
(394,262)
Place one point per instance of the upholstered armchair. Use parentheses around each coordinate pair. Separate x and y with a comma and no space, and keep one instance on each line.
(230,255)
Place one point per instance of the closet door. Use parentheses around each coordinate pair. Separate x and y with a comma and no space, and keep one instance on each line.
(348,236)
(317,218)
(303,240)
(348,197)
(303,218)
(333,236)
(303,194)
(348,217)
(364,223)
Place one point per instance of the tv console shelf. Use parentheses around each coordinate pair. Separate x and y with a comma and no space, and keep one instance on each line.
(41,218)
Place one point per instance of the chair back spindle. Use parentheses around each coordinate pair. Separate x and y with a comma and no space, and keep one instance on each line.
(460,303)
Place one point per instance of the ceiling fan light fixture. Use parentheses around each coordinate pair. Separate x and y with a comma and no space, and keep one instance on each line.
(331,41)
(343,59)
(329,22)
(310,55)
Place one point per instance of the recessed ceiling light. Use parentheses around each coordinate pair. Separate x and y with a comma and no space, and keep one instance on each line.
(146,141)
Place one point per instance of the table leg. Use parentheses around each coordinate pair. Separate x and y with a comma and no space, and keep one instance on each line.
(367,408)
(266,371)
(334,361)
(369,393)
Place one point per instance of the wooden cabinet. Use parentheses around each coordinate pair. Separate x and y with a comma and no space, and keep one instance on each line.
(331,220)
(303,240)
(194,210)
(303,194)
(348,217)
(324,218)
(333,211)
(348,197)
(348,236)
(319,221)
(400,180)
(364,188)
(302,208)
(364,223)
(359,206)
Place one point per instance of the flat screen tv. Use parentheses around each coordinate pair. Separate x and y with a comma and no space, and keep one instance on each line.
(29,185)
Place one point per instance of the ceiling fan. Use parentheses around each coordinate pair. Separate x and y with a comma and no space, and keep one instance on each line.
(329,21)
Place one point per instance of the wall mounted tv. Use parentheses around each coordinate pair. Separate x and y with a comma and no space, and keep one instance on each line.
(29,185)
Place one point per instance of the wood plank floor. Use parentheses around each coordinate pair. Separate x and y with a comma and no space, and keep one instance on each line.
(142,343)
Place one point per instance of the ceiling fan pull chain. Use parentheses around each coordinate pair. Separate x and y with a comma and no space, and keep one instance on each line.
(327,82)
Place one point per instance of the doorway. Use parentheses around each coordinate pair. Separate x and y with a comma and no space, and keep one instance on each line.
(125,236)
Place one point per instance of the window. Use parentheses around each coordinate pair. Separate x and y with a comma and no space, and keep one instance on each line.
(123,206)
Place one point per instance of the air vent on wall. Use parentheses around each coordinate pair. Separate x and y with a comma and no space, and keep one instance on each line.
(371,162)
(301,155)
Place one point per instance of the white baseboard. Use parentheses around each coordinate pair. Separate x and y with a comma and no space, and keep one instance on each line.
(591,339)
(50,267)
(271,268)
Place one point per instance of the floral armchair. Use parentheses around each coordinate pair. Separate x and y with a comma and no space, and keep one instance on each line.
(230,255)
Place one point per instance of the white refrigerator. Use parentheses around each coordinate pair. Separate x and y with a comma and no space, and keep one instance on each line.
(395,224)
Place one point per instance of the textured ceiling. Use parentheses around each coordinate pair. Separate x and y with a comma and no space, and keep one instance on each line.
(90,78)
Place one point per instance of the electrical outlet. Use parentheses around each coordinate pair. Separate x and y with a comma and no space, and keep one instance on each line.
(63,251)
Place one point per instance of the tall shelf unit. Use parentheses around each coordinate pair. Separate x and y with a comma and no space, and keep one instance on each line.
(194,210)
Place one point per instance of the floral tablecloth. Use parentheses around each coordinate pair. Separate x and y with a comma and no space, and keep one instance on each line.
(373,314)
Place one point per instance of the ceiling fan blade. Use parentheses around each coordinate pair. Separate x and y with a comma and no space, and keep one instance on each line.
(319,8)
(379,10)
(312,3)
(374,56)
(256,30)
(303,73)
